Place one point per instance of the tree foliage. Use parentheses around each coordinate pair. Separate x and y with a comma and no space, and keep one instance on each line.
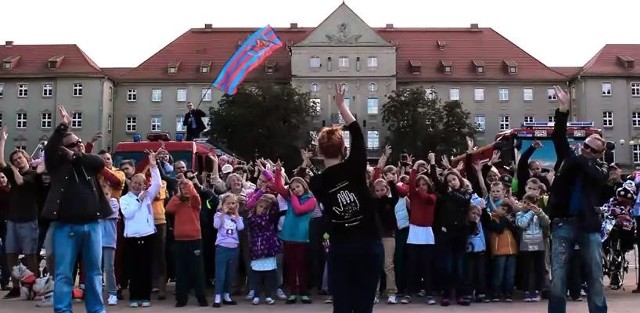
(272,121)
(419,122)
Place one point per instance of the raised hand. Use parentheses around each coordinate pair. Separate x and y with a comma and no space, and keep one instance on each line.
(3,133)
(153,158)
(64,116)
(340,91)
(563,99)
(495,158)
(96,137)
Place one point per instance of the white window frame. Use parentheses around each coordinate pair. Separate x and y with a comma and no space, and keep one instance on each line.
(454,94)
(529,119)
(132,95)
(373,87)
(373,139)
(315,87)
(76,120)
(1,90)
(607,89)
(206,94)
(551,95)
(316,106)
(46,120)
(131,124)
(179,124)
(156,95)
(347,102)
(607,118)
(47,90)
(181,95)
(635,89)
(478,94)
(372,62)
(527,94)
(156,123)
(480,122)
(346,137)
(635,119)
(373,105)
(344,86)
(21,120)
(1,116)
(504,122)
(23,90)
(315,62)
(635,154)
(77,90)
(343,62)
(503,94)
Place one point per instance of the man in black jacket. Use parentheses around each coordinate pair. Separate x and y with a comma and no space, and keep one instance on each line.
(76,204)
(574,210)
(193,122)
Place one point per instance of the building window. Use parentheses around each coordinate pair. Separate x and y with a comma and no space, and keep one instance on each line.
(527,94)
(635,90)
(607,119)
(345,87)
(156,95)
(373,87)
(21,120)
(23,90)
(156,123)
(206,94)
(372,62)
(132,95)
(454,94)
(551,94)
(505,122)
(373,139)
(76,120)
(314,62)
(316,107)
(635,119)
(635,149)
(47,90)
(529,119)
(503,94)
(347,102)
(606,89)
(430,94)
(552,118)
(372,106)
(111,94)
(478,94)
(179,126)
(181,96)
(0,119)
(46,120)
(346,137)
(343,62)
(132,124)
(481,123)
(1,90)
(77,90)
(315,87)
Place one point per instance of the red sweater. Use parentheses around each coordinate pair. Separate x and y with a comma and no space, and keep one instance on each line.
(187,216)
(422,205)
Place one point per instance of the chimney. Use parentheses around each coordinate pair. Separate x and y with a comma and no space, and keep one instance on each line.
(293,25)
(474,27)
(8,43)
(208,26)
(389,26)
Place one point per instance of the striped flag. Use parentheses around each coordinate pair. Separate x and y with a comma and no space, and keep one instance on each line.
(253,51)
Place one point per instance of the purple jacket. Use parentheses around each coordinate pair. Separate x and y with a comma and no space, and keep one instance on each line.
(262,234)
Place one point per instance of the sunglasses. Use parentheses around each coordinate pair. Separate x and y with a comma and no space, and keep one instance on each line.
(74,144)
(591,149)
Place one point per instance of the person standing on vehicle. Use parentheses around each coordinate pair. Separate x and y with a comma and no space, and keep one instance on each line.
(193,122)
(573,207)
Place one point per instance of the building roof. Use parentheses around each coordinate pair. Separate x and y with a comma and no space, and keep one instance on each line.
(569,71)
(614,60)
(116,72)
(46,61)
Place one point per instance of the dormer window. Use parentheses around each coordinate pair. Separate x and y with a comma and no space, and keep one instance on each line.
(205,67)
(512,67)
(6,65)
(415,67)
(447,66)
(479,66)
(270,67)
(172,68)
(55,61)
(9,63)
(442,44)
(626,61)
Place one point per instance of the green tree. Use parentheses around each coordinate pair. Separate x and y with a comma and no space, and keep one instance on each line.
(419,122)
(269,120)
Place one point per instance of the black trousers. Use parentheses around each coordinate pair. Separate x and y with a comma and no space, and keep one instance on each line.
(532,270)
(264,282)
(421,268)
(316,252)
(475,273)
(189,269)
(139,253)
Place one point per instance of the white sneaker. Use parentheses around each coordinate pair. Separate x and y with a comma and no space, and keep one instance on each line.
(270,301)
(45,303)
(251,294)
(392,299)
(256,301)
(146,304)
(133,304)
(113,300)
(281,295)
(376,300)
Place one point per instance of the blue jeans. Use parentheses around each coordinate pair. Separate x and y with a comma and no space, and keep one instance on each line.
(69,240)
(226,267)
(565,234)
(503,275)
(108,261)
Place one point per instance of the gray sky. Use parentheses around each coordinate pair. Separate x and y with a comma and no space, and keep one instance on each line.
(125,33)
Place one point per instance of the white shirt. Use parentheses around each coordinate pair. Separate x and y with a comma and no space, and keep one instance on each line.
(137,210)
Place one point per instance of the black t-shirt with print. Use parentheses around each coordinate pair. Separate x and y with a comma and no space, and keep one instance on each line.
(344,193)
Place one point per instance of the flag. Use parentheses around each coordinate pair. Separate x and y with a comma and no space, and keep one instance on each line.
(253,51)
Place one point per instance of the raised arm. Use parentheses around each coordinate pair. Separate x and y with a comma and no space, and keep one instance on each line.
(302,208)
(156,181)
(278,183)
(559,135)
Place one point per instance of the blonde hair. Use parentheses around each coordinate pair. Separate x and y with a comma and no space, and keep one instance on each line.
(224,198)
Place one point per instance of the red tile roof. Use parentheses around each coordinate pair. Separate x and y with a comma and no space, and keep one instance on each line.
(609,61)
(116,72)
(33,61)
(462,46)
(569,71)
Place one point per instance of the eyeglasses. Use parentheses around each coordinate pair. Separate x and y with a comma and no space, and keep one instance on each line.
(588,147)
(74,144)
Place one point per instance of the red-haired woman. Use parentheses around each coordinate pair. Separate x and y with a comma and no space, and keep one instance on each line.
(355,258)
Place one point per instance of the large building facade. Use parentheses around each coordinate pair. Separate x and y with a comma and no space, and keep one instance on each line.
(500,84)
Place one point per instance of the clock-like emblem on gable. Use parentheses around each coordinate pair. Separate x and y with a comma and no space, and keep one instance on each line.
(343,35)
